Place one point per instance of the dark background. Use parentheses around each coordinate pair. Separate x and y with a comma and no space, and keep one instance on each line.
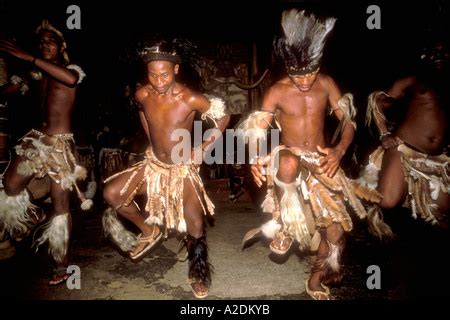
(108,29)
(360,60)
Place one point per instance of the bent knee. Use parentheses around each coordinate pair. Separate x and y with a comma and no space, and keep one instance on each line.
(111,195)
(389,202)
(288,168)
(334,232)
(443,202)
(11,189)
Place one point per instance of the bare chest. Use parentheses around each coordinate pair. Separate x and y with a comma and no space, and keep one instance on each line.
(49,88)
(165,113)
(304,104)
(426,101)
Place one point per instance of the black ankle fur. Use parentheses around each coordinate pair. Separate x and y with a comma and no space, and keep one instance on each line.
(199,267)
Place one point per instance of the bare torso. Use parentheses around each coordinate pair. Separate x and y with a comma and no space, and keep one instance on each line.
(57,101)
(164,114)
(301,113)
(424,126)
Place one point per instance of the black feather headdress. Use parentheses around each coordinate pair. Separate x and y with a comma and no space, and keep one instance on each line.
(301,45)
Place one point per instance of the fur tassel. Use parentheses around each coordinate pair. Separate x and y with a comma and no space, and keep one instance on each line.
(66,183)
(14,212)
(332,271)
(199,267)
(80,172)
(348,108)
(293,213)
(91,190)
(377,226)
(369,176)
(69,180)
(112,227)
(87,204)
(368,194)
(333,257)
(57,234)
(209,204)
(25,169)
(268,204)
(352,199)
(270,228)
(330,265)
(182,226)
(373,109)
(151,220)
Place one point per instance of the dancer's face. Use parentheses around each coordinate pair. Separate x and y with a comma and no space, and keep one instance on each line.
(304,82)
(50,45)
(437,56)
(161,75)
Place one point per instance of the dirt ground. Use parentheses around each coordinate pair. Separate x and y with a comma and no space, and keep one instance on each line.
(407,264)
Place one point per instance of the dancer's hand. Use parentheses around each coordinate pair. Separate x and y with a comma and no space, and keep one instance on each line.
(12,48)
(330,162)
(258,172)
(390,141)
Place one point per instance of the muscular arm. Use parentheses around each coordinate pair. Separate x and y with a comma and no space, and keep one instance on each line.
(397,91)
(349,131)
(201,104)
(383,102)
(399,88)
(269,104)
(139,96)
(330,162)
(62,74)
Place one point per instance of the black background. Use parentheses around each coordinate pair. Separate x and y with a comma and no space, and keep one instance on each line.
(360,60)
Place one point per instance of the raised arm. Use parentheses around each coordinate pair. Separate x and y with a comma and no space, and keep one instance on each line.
(66,76)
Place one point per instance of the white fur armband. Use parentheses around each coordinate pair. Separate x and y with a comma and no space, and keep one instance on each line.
(23,87)
(250,127)
(81,74)
(348,108)
(216,111)
(36,75)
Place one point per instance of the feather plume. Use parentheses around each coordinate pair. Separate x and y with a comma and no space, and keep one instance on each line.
(303,41)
